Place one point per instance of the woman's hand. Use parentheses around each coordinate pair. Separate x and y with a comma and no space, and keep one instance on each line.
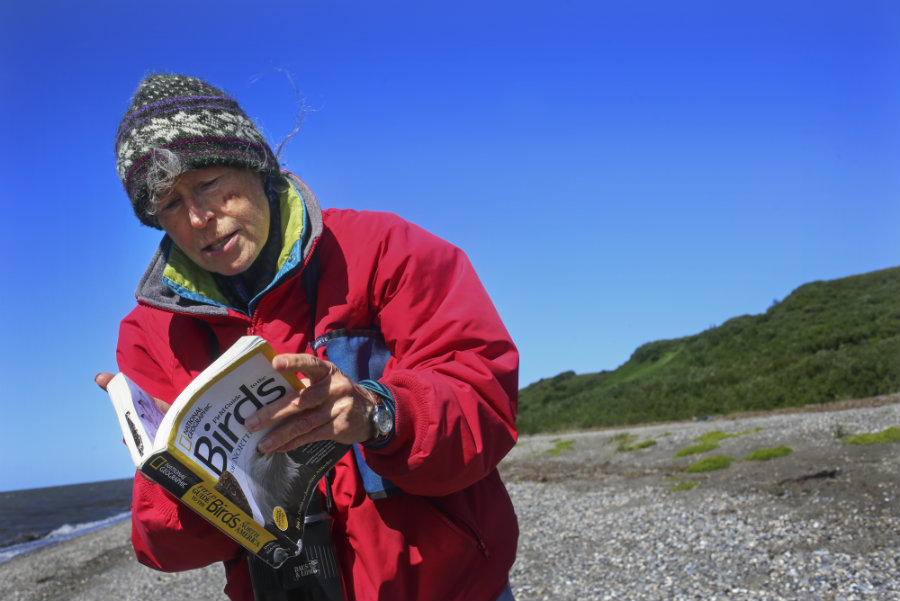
(332,407)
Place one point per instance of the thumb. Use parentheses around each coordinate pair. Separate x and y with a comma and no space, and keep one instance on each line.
(102,379)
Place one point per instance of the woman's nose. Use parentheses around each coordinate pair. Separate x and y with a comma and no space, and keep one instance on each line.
(200,212)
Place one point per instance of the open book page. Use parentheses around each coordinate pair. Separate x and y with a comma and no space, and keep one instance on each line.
(139,417)
(150,415)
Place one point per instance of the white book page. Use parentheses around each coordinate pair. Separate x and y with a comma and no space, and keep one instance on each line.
(147,411)
(138,416)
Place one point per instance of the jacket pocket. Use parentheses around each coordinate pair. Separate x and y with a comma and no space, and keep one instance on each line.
(462,529)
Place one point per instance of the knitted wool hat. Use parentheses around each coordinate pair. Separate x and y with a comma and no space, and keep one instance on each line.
(202,125)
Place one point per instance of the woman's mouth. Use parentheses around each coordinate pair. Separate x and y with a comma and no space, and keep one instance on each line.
(220,244)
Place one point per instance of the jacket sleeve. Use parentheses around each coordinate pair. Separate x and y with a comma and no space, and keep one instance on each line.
(454,369)
(166,535)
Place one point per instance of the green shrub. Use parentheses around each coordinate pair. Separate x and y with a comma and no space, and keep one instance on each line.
(827,341)
(709,464)
(766,454)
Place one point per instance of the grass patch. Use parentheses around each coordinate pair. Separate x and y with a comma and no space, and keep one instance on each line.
(697,448)
(718,435)
(625,442)
(560,446)
(883,437)
(683,486)
(766,454)
(622,437)
(709,464)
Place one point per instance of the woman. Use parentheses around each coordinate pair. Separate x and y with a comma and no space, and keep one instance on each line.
(427,382)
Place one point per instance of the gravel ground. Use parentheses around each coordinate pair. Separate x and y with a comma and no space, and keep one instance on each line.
(820,523)
(100,566)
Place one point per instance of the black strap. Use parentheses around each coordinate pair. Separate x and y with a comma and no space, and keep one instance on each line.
(215,350)
(312,272)
(311,576)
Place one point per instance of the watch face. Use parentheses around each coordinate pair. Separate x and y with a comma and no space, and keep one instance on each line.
(383,421)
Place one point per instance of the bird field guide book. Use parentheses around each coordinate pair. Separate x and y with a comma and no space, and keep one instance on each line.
(200,451)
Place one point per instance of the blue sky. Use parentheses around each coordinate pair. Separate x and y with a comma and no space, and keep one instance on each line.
(617,172)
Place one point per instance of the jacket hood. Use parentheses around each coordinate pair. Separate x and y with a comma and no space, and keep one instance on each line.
(173,282)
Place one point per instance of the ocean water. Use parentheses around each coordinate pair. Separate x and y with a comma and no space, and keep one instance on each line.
(39,517)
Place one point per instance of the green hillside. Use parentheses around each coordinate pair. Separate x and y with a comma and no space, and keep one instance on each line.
(827,341)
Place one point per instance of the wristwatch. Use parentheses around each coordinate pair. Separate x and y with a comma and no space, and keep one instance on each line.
(383,420)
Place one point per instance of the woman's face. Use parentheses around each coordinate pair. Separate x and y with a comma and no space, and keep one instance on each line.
(218,216)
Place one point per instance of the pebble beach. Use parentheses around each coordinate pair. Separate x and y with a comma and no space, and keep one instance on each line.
(599,522)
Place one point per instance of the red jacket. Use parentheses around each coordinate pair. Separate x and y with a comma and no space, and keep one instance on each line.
(453,376)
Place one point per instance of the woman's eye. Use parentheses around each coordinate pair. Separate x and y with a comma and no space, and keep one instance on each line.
(170,203)
(210,183)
